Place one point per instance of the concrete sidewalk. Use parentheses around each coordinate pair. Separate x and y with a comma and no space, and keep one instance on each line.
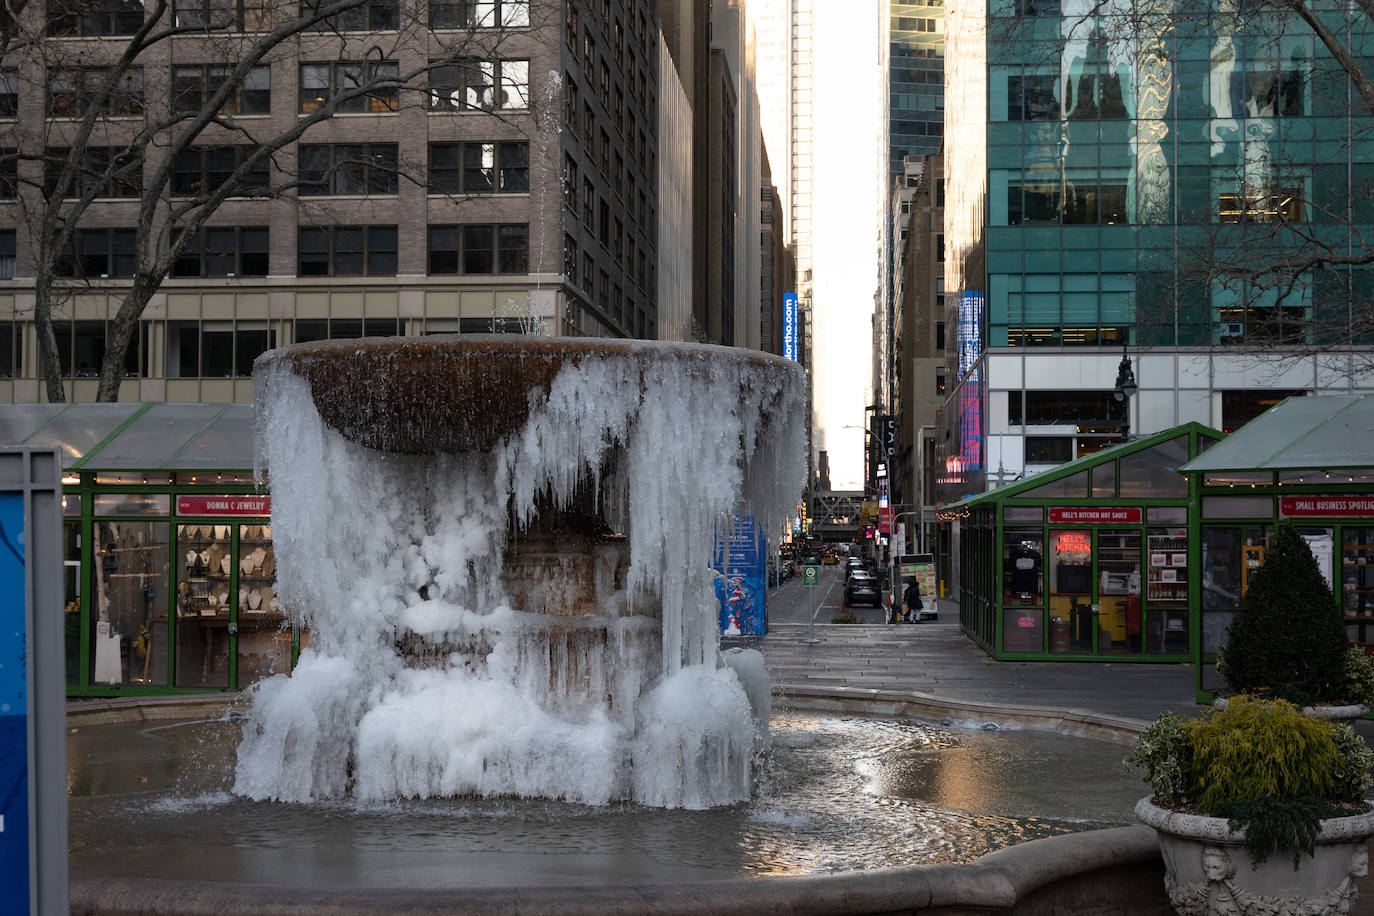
(935,659)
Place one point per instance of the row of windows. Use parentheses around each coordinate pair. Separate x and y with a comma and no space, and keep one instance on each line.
(125,17)
(217,349)
(323,169)
(353,86)
(322,251)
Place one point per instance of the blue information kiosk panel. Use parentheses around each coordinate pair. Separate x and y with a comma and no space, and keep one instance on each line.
(14,707)
(33,702)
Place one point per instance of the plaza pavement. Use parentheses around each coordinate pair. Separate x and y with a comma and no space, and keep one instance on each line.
(936,660)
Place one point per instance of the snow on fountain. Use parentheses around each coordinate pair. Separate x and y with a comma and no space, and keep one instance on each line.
(512,595)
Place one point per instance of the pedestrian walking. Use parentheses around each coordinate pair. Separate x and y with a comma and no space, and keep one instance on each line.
(911,602)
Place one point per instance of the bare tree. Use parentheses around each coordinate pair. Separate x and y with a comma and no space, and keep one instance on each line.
(102,136)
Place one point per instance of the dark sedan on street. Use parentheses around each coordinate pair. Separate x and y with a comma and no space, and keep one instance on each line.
(862,588)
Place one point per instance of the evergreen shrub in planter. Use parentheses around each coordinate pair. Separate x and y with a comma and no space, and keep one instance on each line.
(1287,639)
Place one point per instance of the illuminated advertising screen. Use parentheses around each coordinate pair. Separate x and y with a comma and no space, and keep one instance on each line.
(970,331)
(790,333)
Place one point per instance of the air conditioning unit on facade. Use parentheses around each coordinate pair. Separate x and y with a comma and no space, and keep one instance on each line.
(1233,329)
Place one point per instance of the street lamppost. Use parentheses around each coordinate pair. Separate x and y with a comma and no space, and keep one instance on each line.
(1125,388)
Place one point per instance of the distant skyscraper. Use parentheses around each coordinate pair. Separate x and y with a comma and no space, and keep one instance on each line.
(916,79)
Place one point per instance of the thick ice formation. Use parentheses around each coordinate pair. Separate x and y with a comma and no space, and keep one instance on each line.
(450,651)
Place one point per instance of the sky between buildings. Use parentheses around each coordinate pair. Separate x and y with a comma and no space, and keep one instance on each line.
(847,114)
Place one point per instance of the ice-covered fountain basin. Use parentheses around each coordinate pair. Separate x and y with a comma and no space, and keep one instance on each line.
(464,392)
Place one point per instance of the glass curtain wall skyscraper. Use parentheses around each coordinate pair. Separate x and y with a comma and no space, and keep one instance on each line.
(1172,179)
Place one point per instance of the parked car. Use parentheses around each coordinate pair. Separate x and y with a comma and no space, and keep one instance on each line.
(862,588)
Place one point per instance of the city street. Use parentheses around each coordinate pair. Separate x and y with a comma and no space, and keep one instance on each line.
(789,602)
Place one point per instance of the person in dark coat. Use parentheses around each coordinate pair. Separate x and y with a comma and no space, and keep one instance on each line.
(911,602)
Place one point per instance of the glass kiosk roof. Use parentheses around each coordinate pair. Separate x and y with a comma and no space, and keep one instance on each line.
(1323,432)
(146,437)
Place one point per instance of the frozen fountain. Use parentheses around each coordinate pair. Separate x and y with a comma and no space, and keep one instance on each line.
(500,547)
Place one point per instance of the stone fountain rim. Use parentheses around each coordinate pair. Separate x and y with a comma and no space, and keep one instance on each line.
(522,345)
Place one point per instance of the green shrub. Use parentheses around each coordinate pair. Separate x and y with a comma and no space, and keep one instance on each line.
(1253,750)
(844,617)
(1264,766)
(1163,753)
(1359,676)
(1286,639)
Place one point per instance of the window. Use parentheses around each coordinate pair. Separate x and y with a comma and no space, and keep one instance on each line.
(224,252)
(9,93)
(308,329)
(1049,449)
(479,168)
(570,182)
(588,203)
(222,15)
(216,349)
(1093,89)
(107,171)
(7,252)
(1272,204)
(480,14)
(569,257)
(204,169)
(194,87)
(367,16)
(1032,97)
(362,86)
(487,85)
(9,350)
(569,103)
(347,251)
(1069,408)
(71,91)
(81,348)
(347,168)
(484,248)
(94,17)
(9,173)
(98,253)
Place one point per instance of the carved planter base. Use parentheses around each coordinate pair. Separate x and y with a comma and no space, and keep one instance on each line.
(1208,872)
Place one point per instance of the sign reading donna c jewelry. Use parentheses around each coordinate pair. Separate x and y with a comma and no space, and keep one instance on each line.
(1326,506)
(1095,515)
(224,505)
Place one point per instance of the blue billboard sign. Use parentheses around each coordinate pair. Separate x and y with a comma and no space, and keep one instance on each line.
(14,707)
(742,579)
(790,331)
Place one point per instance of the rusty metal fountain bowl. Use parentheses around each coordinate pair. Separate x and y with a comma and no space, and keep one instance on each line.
(454,393)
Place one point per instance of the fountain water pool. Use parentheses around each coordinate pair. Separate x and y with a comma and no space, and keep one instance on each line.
(501,549)
(151,801)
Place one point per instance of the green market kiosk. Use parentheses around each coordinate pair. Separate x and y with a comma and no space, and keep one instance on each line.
(1091,560)
(1308,462)
(169,567)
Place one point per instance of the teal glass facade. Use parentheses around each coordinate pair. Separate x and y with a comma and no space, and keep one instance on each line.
(1134,156)
(1168,176)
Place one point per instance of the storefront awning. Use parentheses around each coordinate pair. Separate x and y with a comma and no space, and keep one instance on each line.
(1306,433)
(142,437)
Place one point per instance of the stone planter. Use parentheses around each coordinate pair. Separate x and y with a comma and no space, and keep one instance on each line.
(1347,714)
(1207,871)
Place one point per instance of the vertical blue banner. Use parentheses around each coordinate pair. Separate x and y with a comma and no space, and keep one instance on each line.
(14,709)
(742,588)
(790,335)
